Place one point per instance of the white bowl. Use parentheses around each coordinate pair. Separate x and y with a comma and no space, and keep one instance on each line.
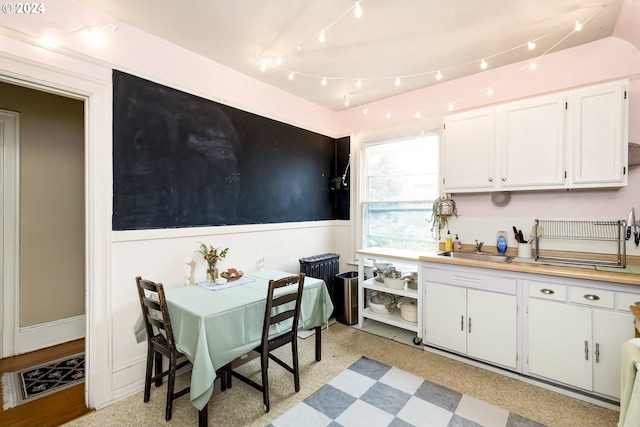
(394,283)
(221,281)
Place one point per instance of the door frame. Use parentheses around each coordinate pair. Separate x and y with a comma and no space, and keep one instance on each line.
(92,84)
(9,226)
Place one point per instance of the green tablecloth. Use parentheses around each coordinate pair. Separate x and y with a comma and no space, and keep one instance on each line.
(214,327)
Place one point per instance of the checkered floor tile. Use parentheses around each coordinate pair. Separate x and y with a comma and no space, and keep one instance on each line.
(372,394)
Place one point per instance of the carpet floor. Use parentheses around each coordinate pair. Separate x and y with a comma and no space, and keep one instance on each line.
(342,346)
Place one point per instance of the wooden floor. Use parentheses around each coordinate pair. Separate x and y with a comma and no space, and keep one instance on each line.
(50,411)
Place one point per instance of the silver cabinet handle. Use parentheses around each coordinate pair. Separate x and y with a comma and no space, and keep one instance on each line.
(591,297)
(597,353)
(469,324)
(490,179)
(462,323)
(504,178)
(586,350)
(547,291)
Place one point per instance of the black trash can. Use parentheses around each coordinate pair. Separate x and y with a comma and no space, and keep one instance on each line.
(345,294)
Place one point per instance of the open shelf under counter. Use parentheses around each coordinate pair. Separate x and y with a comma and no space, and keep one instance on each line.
(379,286)
(393,319)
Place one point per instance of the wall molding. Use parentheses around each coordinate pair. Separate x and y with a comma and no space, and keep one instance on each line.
(48,334)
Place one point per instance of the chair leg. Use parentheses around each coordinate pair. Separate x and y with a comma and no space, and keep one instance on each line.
(264,364)
(296,369)
(151,355)
(170,383)
(158,360)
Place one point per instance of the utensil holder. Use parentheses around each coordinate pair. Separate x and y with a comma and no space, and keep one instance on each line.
(524,250)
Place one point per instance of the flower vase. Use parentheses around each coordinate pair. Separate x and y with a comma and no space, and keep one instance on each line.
(212,273)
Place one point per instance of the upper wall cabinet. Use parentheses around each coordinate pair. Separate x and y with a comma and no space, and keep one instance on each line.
(469,151)
(600,136)
(568,140)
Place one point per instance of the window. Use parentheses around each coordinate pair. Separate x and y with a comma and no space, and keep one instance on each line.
(400,186)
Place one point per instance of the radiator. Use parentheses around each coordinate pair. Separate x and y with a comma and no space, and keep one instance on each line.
(323,267)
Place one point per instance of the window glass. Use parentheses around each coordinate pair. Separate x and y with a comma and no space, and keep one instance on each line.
(401,183)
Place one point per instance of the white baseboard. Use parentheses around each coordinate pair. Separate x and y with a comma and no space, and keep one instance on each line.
(44,335)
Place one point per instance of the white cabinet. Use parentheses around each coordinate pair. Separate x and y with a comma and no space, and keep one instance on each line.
(474,315)
(574,139)
(369,284)
(516,146)
(469,151)
(531,137)
(600,136)
(575,335)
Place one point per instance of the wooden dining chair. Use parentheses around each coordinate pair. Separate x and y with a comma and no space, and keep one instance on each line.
(281,311)
(160,342)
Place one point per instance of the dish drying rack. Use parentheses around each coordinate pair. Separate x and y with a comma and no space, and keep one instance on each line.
(597,231)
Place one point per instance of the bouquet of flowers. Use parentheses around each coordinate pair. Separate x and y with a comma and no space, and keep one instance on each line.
(211,254)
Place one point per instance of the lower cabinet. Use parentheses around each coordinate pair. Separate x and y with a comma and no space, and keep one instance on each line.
(575,335)
(476,323)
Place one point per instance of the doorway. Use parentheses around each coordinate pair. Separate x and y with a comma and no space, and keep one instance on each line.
(44,234)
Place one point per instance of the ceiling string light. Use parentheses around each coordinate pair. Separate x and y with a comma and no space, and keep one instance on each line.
(438,74)
(531,65)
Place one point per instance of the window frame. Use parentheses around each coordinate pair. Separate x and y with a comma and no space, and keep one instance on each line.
(360,142)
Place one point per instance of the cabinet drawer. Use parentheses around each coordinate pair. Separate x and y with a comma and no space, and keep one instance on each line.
(626,299)
(550,291)
(591,296)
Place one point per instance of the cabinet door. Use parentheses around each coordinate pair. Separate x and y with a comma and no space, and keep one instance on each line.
(610,330)
(532,142)
(558,334)
(445,316)
(492,327)
(599,135)
(469,151)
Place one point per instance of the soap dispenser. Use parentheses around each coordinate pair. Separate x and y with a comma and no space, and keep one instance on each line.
(456,244)
(502,242)
(448,242)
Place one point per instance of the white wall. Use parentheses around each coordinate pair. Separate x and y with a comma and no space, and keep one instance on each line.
(115,362)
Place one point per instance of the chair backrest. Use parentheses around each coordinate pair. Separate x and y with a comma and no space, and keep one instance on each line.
(155,310)
(275,312)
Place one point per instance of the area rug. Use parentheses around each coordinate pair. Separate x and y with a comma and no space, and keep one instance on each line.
(42,380)
(372,394)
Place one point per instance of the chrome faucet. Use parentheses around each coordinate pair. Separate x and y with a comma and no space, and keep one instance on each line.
(479,246)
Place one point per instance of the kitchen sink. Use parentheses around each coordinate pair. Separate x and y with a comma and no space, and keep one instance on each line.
(477,256)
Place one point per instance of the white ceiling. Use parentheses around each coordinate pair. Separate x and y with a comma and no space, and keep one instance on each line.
(412,39)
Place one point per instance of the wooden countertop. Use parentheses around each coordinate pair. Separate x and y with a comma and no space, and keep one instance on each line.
(587,273)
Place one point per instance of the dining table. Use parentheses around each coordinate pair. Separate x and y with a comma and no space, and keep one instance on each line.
(214,324)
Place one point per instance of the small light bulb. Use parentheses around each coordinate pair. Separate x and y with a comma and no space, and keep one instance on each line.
(321,37)
(359,83)
(365,111)
(397,81)
(533,65)
(578,26)
(531,45)
(489,91)
(483,64)
(450,107)
(358,10)
(279,60)
(263,66)
(346,102)
(324,81)
(418,115)
(439,75)
(291,75)
(388,115)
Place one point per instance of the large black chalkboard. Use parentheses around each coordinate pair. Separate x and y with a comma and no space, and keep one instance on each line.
(183,161)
